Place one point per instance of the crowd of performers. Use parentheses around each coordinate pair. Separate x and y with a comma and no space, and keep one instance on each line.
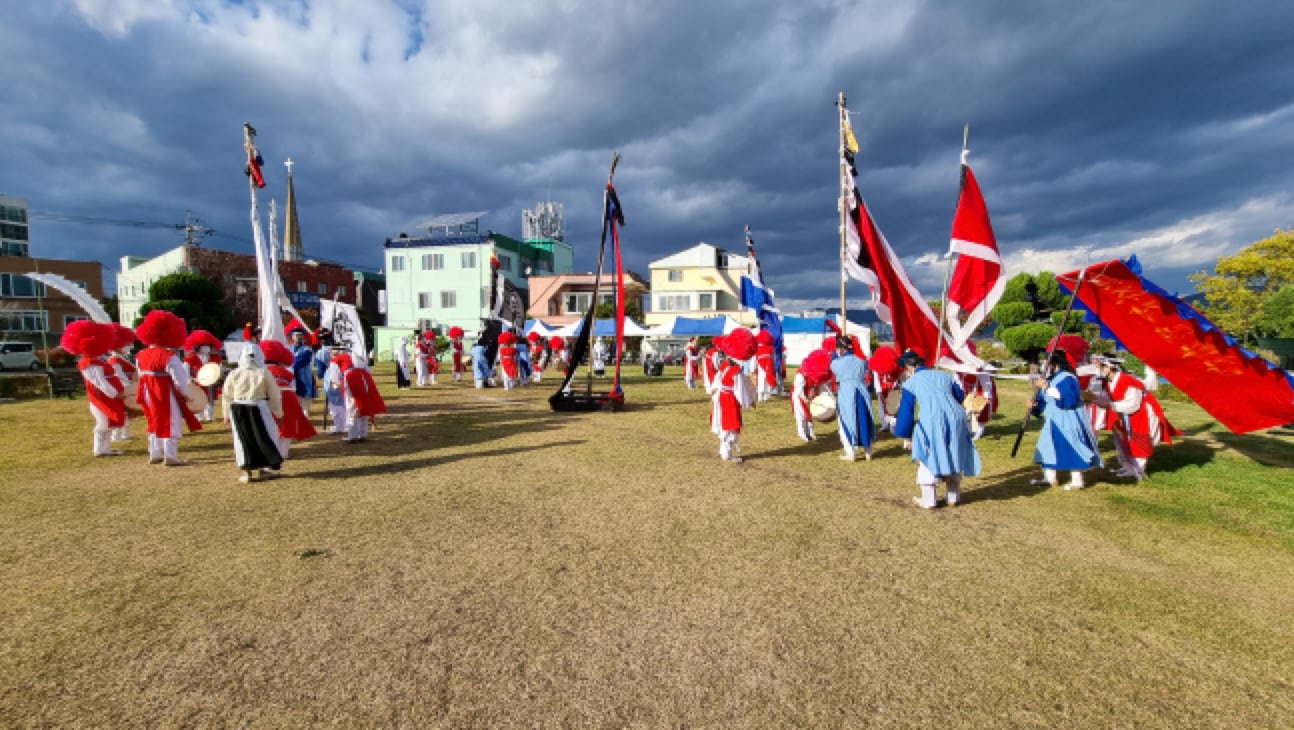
(178,381)
(938,414)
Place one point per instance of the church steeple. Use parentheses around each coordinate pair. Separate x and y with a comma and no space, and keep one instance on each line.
(291,229)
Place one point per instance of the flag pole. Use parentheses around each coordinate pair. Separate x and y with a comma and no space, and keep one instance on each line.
(842,120)
(948,270)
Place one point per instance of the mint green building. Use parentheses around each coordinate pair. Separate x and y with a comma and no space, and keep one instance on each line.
(441,280)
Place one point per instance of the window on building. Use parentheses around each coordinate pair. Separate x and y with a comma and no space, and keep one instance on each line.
(448,299)
(505,262)
(341,290)
(705,301)
(577,302)
(433,261)
(424,300)
(323,288)
(675,275)
(70,318)
(397,263)
(15,232)
(721,259)
(17,285)
(675,303)
(303,286)
(552,306)
(13,214)
(24,321)
(469,259)
(607,298)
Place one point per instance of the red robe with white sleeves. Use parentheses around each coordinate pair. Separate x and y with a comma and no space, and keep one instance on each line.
(125,368)
(294,424)
(709,367)
(508,361)
(764,358)
(157,394)
(732,392)
(111,406)
(1144,427)
(363,391)
(456,350)
(690,358)
(981,383)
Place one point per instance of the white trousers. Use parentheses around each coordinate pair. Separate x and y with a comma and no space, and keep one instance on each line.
(929,484)
(102,432)
(356,425)
(728,445)
(338,412)
(849,448)
(161,448)
(804,427)
(123,433)
(420,365)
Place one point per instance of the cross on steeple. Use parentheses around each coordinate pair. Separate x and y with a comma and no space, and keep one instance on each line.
(288,165)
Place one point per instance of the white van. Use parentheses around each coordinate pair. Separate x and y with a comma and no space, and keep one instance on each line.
(18,356)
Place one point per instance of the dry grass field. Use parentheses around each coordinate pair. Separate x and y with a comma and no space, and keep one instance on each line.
(484,562)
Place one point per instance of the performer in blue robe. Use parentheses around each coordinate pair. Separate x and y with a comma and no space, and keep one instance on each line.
(523,360)
(853,404)
(303,368)
(1067,440)
(933,423)
(482,368)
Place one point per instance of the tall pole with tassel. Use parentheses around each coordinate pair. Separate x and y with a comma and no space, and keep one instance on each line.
(948,270)
(843,123)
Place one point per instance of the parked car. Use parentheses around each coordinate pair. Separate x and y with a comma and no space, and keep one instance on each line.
(18,356)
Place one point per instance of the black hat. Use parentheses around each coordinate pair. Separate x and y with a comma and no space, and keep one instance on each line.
(911,358)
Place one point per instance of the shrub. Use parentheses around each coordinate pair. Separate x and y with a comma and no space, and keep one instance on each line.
(1010,314)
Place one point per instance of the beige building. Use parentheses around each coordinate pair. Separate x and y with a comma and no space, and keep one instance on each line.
(702,281)
(560,299)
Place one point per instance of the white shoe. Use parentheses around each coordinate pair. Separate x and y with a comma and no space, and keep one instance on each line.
(176,462)
(1071,487)
(244,478)
(923,505)
(848,457)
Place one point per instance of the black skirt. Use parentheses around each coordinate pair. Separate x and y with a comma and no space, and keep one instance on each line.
(255,444)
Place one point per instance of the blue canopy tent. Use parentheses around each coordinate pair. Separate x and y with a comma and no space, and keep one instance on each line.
(702,326)
(601,328)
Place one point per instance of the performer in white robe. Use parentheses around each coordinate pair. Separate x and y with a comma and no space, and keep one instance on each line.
(252,402)
(421,354)
(402,364)
(335,395)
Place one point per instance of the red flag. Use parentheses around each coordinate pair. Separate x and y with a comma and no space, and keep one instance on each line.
(1243,391)
(870,259)
(978,279)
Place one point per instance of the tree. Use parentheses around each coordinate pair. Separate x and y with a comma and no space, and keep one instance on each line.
(1028,340)
(1029,313)
(196,299)
(1243,283)
(633,310)
(1277,318)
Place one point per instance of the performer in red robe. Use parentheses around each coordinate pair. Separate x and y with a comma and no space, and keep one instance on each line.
(92,341)
(164,386)
(126,371)
(507,360)
(295,425)
(456,352)
(732,391)
(1138,419)
(561,356)
(710,364)
(766,375)
(538,356)
(363,402)
(691,362)
(203,347)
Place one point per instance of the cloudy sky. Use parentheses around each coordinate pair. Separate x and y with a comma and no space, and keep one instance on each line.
(1097,129)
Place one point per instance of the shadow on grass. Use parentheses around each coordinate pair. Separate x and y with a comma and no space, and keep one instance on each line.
(1011,485)
(394,467)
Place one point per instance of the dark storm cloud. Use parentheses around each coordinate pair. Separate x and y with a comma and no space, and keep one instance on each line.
(1096,130)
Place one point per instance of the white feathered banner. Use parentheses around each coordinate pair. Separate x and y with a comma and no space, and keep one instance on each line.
(91,306)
